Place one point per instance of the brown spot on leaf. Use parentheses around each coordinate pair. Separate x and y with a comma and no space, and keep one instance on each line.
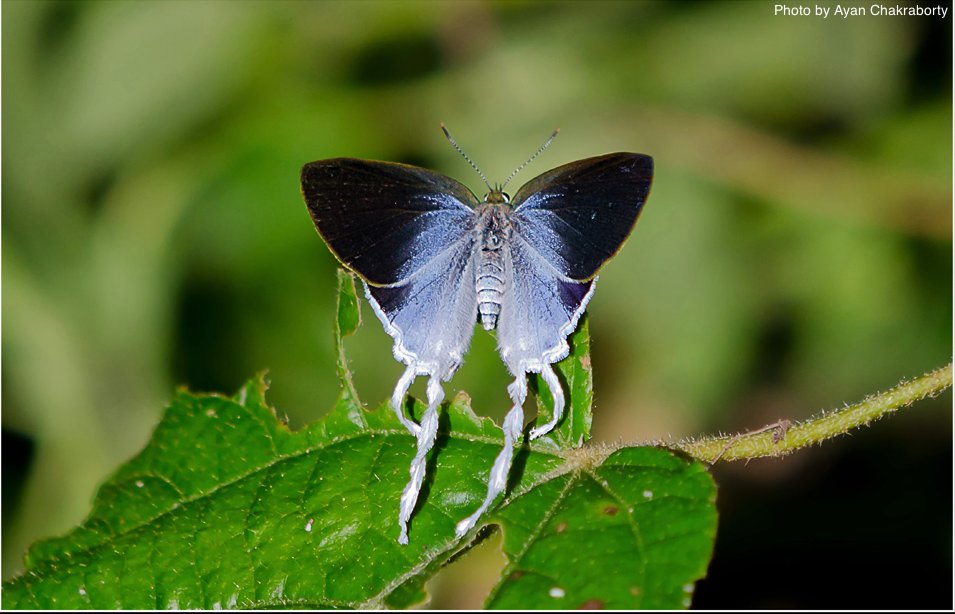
(462,398)
(516,575)
(585,361)
(561,526)
(611,510)
(591,604)
(634,590)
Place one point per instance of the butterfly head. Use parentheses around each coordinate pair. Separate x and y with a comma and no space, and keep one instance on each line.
(497,196)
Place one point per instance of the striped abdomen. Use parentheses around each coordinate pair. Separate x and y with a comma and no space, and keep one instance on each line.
(492,230)
(490,288)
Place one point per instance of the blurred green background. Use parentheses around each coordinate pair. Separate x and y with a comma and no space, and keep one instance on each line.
(795,252)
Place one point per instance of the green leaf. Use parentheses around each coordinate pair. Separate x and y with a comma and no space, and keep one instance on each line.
(576,377)
(630,530)
(226,507)
(347,321)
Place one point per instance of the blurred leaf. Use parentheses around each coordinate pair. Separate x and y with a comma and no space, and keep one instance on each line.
(805,179)
(863,63)
(130,64)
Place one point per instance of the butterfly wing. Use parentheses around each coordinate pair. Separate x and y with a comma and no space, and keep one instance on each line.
(431,315)
(578,215)
(408,232)
(384,220)
(539,311)
(565,224)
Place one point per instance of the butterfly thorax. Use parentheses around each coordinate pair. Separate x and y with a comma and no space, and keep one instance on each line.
(493,230)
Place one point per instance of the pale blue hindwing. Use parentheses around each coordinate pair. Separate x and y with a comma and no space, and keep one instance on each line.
(431,313)
(431,317)
(539,310)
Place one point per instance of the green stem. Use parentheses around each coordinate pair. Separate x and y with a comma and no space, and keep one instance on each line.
(782,438)
(347,321)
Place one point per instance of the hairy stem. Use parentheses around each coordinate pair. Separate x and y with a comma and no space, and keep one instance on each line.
(782,438)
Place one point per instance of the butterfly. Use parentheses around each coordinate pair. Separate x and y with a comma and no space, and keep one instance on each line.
(435,260)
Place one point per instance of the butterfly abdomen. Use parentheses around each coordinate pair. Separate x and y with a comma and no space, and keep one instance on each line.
(490,289)
(491,271)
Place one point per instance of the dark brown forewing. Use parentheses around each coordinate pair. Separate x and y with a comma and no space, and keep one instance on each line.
(578,215)
(385,220)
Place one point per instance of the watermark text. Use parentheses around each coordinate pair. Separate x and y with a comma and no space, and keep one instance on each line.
(844,11)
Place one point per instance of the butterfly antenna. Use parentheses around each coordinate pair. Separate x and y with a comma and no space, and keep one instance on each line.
(461,151)
(531,159)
